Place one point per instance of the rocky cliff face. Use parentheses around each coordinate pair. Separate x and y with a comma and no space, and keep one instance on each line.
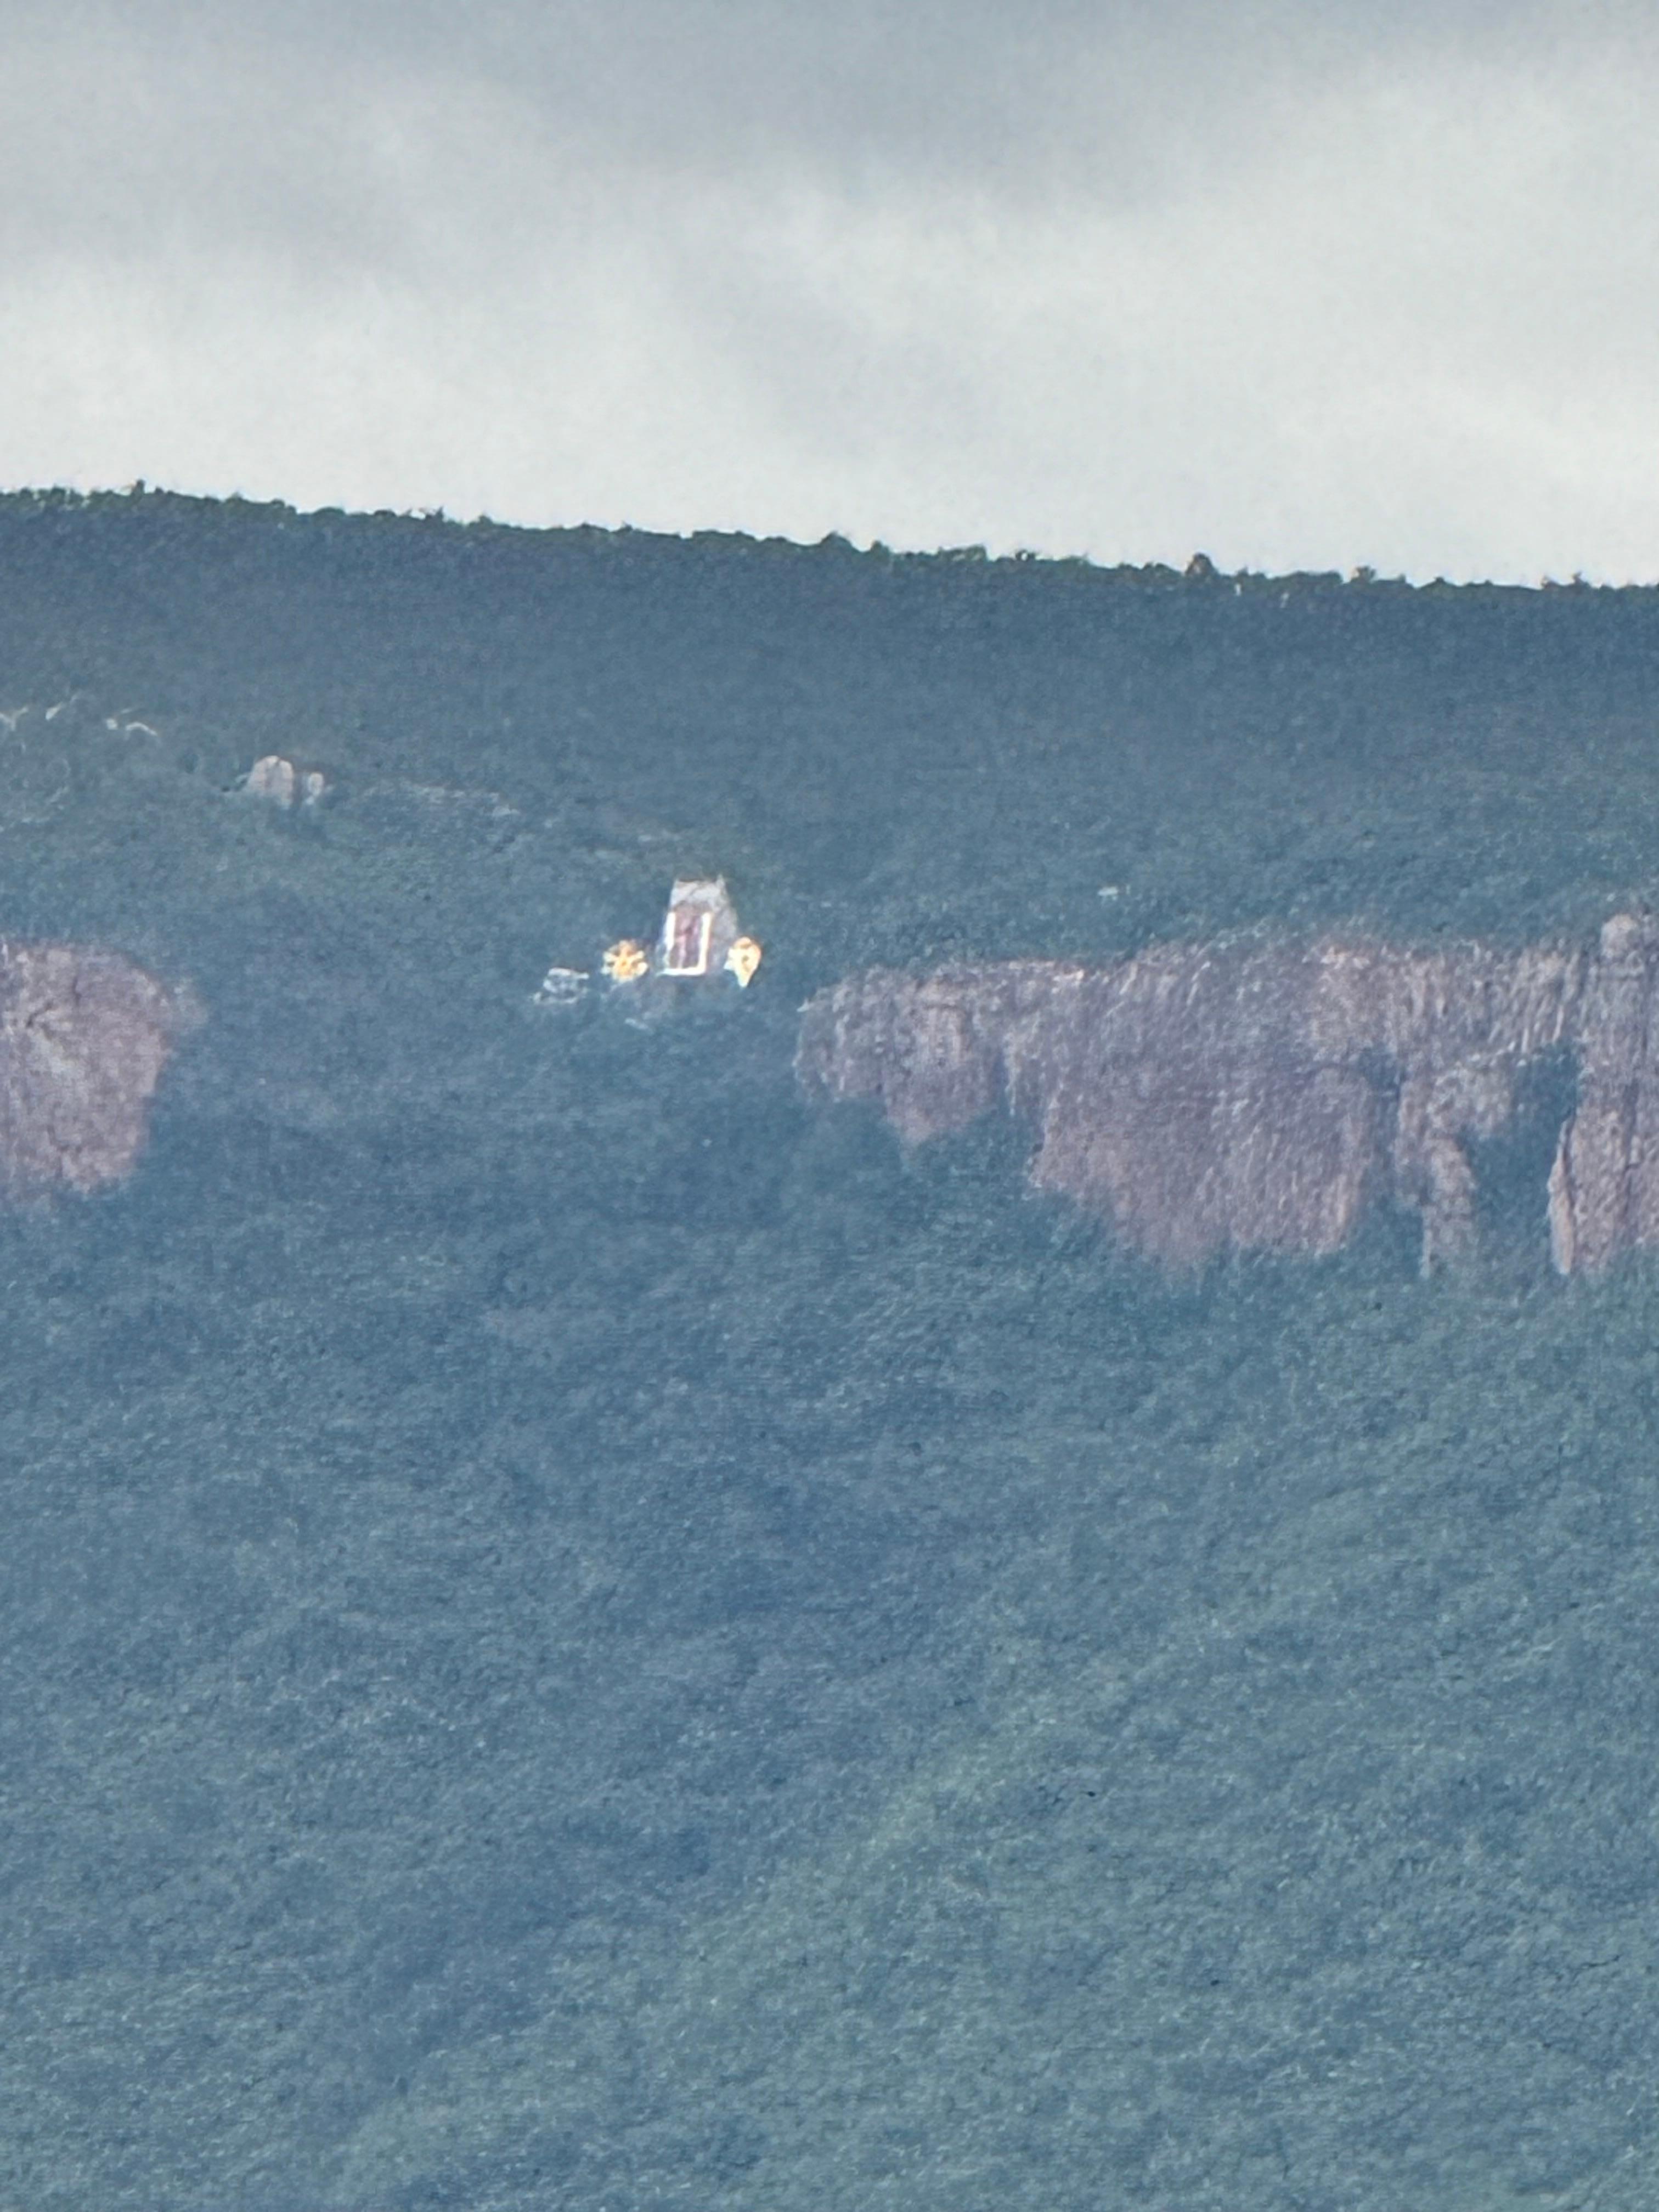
(1257,1098)
(84,1035)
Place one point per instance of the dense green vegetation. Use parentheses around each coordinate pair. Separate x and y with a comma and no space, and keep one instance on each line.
(578,1630)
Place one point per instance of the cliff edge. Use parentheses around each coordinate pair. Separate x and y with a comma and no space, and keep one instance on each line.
(1257,1098)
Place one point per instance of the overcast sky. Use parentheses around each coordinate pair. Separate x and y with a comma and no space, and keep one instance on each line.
(1306,284)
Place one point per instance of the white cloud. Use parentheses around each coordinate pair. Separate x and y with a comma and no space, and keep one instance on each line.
(1385,303)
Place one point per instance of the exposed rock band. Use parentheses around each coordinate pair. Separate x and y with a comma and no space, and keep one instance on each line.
(1202,1098)
(1210,1097)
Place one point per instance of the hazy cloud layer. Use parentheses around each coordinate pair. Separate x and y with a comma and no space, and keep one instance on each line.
(1287,283)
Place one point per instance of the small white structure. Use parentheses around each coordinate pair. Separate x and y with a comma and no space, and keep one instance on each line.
(280,783)
(699,929)
(700,939)
(701,935)
(561,986)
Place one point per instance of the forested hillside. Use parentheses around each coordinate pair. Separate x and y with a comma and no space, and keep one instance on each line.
(579,1627)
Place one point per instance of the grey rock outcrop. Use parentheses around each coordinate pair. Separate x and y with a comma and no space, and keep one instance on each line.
(1604,1186)
(1207,1097)
(84,1037)
(281,782)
